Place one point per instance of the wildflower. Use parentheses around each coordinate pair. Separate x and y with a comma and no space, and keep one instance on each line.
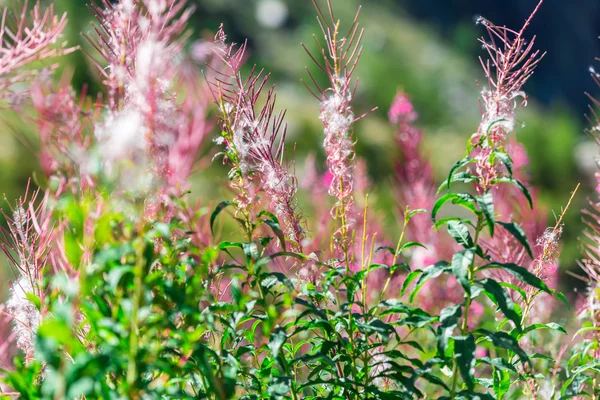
(25,316)
(34,38)
(402,110)
(340,57)
(417,190)
(255,139)
(549,250)
(65,125)
(511,63)
(27,244)
(141,42)
(337,118)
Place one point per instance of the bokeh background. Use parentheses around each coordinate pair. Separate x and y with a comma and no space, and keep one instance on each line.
(429,49)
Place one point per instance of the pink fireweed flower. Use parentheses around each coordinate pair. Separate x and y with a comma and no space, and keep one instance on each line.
(591,265)
(65,129)
(254,138)
(340,56)
(359,253)
(26,37)
(417,190)
(337,118)
(193,127)
(402,110)
(512,60)
(27,243)
(141,42)
(7,337)
(138,39)
(416,184)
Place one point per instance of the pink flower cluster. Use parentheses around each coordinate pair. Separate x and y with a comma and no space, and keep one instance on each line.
(512,60)
(254,138)
(139,41)
(417,190)
(28,243)
(338,60)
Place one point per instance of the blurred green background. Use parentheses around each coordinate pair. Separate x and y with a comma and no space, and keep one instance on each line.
(426,47)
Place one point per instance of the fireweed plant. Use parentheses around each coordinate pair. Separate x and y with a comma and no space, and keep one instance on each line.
(123,287)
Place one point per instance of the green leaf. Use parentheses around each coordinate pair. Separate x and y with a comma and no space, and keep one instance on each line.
(449,317)
(486,204)
(35,300)
(515,288)
(433,271)
(505,159)
(461,262)
(463,177)
(498,363)
(520,273)
(409,279)
(277,340)
(409,245)
(519,185)
(222,205)
(525,192)
(464,350)
(445,221)
(460,233)
(461,199)
(298,256)
(563,299)
(459,164)
(250,250)
(386,248)
(505,341)
(503,300)
(276,228)
(279,387)
(587,329)
(412,213)
(550,325)
(501,383)
(518,232)
(115,275)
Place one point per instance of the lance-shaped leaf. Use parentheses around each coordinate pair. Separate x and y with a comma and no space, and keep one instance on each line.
(222,205)
(460,199)
(461,262)
(464,350)
(518,232)
(457,166)
(502,299)
(486,204)
(433,271)
(449,317)
(460,233)
(505,341)
(522,274)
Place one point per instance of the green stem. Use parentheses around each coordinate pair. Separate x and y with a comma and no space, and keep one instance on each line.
(464,328)
(134,335)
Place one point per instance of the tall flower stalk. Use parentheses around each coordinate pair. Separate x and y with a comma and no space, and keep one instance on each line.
(338,59)
(254,140)
(511,61)
(139,42)
(25,37)
(27,243)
